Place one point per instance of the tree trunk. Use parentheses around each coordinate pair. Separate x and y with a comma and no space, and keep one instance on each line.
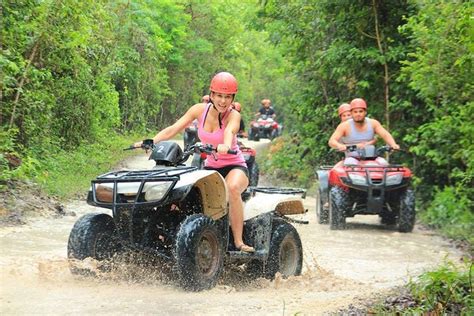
(386,77)
(22,81)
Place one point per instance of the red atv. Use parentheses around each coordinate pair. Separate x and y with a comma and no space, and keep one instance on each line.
(249,155)
(372,186)
(263,127)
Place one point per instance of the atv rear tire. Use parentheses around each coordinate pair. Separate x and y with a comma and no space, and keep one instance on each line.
(253,174)
(322,214)
(338,202)
(199,253)
(92,236)
(406,218)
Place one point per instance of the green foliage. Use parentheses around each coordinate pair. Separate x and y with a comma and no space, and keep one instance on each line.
(447,290)
(74,73)
(29,166)
(452,212)
(67,173)
(343,49)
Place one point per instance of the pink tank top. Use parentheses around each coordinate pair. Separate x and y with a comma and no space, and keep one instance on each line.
(216,138)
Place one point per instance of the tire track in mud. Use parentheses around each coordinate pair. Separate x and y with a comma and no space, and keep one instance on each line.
(340,268)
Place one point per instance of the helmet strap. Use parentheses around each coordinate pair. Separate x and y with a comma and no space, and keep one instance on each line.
(219,117)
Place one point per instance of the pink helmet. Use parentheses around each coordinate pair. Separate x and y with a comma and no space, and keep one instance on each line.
(205,98)
(224,82)
(343,108)
(358,103)
(237,106)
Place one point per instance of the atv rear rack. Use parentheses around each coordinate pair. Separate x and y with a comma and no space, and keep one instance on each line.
(278,190)
(145,174)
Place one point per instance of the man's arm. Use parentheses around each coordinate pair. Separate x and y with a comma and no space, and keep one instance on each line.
(373,141)
(384,134)
(336,136)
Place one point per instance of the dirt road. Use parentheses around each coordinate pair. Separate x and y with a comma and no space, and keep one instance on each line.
(340,267)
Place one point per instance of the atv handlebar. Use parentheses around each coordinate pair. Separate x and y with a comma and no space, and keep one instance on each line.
(380,150)
(146,144)
(205,148)
(198,147)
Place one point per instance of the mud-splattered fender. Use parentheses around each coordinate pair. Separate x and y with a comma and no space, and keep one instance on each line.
(213,191)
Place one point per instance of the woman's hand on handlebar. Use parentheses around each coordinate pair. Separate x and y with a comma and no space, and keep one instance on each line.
(224,149)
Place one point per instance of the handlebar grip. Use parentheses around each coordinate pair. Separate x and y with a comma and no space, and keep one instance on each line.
(351,148)
(232,152)
(130,148)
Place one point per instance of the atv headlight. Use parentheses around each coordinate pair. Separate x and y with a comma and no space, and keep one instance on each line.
(394,179)
(357,179)
(156,190)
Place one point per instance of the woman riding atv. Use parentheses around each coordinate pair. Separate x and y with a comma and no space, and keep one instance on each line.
(218,126)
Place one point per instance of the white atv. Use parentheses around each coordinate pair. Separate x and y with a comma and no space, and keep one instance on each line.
(180,214)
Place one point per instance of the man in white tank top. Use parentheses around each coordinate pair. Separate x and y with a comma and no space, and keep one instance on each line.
(359,130)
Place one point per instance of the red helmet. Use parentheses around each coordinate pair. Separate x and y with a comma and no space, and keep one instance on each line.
(237,106)
(343,108)
(224,82)
(205,98)
(358,103)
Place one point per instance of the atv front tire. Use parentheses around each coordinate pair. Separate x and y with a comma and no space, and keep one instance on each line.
(92,236)
(285,255)
(286,251)
(199,253)
(338,202)
(406,218)
(322,214)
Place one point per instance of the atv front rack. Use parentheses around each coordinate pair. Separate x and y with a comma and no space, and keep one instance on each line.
(388,168)
(119,188)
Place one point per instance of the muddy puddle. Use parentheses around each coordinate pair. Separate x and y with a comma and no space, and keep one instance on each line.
(340,268)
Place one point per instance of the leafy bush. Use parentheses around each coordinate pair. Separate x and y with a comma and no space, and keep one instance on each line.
(447,290)
(451,212)
(66,173)
(27,165)
(281,162)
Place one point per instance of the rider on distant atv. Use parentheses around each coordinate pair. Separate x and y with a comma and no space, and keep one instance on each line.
(359,131)
(266,109)
(344,112)
(238,107)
